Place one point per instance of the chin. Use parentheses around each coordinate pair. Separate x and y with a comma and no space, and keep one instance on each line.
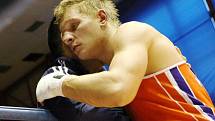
(83,57)
(86,55)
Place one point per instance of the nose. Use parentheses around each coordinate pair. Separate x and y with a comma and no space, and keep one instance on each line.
(68,38)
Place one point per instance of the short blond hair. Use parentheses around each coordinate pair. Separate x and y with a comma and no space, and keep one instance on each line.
(88,7)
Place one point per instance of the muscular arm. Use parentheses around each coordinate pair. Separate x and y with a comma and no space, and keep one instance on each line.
(119,85)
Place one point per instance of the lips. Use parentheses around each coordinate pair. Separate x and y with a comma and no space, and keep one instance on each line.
(74,47)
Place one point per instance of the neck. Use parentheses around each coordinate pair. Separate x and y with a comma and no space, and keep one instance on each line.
(108,51)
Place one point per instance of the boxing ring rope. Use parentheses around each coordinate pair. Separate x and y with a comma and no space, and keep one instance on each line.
(26,114)
(211,10)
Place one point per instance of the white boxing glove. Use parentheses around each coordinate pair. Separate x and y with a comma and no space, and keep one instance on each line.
(50,85)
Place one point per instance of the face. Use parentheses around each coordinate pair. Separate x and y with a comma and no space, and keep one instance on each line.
(82,34)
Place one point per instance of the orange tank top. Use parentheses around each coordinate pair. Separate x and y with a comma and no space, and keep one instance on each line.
(173,94)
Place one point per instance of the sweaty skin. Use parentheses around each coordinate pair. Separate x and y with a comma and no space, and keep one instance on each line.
(132,50)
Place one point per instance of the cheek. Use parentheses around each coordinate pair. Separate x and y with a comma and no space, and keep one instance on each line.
(83,34)
(89,47)
(91,29)
(88,34)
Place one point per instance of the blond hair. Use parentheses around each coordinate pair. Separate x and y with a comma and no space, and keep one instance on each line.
(88,7)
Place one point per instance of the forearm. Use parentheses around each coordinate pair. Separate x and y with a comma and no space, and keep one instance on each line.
(98,89)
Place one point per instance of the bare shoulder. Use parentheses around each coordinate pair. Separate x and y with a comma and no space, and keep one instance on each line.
(136,26)
(132,32)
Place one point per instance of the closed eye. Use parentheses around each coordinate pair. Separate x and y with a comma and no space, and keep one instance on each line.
(70,25)
(74,27)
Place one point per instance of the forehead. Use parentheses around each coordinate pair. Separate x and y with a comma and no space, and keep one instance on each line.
(71,14)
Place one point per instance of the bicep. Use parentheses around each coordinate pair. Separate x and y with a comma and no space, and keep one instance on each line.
(129,67)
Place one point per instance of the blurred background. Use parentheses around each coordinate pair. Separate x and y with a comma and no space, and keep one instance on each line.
(24,52)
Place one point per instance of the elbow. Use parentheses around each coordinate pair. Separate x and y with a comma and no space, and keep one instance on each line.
(124,100)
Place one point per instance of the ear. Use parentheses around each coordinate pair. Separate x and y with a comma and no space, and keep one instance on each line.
(102,16)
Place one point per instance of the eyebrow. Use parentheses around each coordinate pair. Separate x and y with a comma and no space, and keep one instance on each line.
(65,23)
